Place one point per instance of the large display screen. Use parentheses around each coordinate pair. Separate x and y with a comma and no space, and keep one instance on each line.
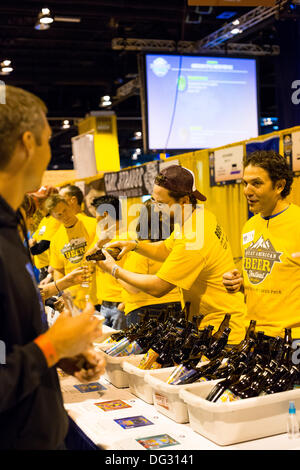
(198,102)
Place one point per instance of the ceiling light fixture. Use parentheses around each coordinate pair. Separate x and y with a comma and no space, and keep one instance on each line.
(5,67)
(105,101)
(44,20)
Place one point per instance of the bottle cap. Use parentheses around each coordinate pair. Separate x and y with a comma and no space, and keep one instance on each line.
(292,408)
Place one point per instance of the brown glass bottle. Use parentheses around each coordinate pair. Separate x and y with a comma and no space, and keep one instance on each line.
(98,255)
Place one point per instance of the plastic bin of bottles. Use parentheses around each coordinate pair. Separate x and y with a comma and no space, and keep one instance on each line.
(137,384)
(238,421)
(114,372)
(166,397)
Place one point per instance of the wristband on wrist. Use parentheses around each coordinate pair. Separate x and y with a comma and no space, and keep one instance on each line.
(47,349)
(114,271)
(59,291)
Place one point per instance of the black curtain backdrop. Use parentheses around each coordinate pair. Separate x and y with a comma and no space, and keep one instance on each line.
(288,71)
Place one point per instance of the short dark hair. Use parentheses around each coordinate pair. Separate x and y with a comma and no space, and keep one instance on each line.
(21,112)
(74,190)
(52,201)
(108,201)
(275,165)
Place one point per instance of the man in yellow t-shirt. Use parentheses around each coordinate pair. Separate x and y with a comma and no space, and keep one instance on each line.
(74,197)
(271,274)
(194,257)
(137,302)
(69,246)
(109,291)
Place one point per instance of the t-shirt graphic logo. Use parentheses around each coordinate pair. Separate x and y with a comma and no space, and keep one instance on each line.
(74,250)
(259,259)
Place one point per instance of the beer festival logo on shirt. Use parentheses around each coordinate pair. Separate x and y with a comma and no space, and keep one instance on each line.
(259,260)
(74,250)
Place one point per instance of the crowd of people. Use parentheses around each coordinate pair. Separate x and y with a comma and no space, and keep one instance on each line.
(178,254)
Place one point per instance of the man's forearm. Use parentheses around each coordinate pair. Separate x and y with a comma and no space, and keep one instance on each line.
(149,283)
(156,250)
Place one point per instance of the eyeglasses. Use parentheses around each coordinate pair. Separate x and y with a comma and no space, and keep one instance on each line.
(159,205)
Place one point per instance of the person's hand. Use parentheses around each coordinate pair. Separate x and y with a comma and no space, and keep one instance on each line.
(233,281)
(77,276)
(125,246)
(108,264)
(93,367)
(74,335)
(32,242)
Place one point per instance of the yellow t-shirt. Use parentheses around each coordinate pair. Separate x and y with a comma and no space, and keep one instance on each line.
(47,228)
(108,288)
(68,248)
(199,256)
(140,264)
(271,274)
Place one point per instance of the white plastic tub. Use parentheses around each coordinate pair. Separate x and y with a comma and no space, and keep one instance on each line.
(239,421)
(166,397)
(137,384)
(114,372)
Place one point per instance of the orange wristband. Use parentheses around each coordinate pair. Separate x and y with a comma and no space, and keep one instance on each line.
(47,349)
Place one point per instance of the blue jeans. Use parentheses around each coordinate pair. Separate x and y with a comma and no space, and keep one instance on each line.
(113,317)
(154,310)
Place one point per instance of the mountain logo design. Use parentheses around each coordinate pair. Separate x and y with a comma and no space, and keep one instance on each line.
(74,250)
(259,259)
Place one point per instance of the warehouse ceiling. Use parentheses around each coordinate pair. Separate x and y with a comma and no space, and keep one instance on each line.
(73,64)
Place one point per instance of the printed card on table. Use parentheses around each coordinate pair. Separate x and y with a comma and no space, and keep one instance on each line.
(112,405)
(91,387)
(157,442)
(133,422)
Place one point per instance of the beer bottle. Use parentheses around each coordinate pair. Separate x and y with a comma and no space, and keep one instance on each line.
(224,324)
(223,385)
(230,366)
(186,348)
(165,358)
(288,336)
(206,334)
(218,344)
(98,255)
(246,379)
(284,383)
(201,372)
(197,319)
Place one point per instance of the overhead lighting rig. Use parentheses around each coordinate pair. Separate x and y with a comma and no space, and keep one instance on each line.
(45,19)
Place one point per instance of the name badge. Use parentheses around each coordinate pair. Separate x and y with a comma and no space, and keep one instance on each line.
(248,237)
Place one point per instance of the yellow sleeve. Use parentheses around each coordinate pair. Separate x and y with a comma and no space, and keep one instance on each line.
(182,267)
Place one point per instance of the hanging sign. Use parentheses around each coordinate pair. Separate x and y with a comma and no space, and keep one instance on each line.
(134,182)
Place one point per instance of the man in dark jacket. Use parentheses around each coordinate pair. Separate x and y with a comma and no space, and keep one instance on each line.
(32,415)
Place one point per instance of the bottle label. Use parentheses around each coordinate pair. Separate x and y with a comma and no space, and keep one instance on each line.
(155,365)
(227,396)
(187,373)
(117,348)
(109,340)
(132,348)
(148,359)
(177,372)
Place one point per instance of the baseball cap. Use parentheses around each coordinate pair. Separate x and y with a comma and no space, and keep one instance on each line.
(180,180)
